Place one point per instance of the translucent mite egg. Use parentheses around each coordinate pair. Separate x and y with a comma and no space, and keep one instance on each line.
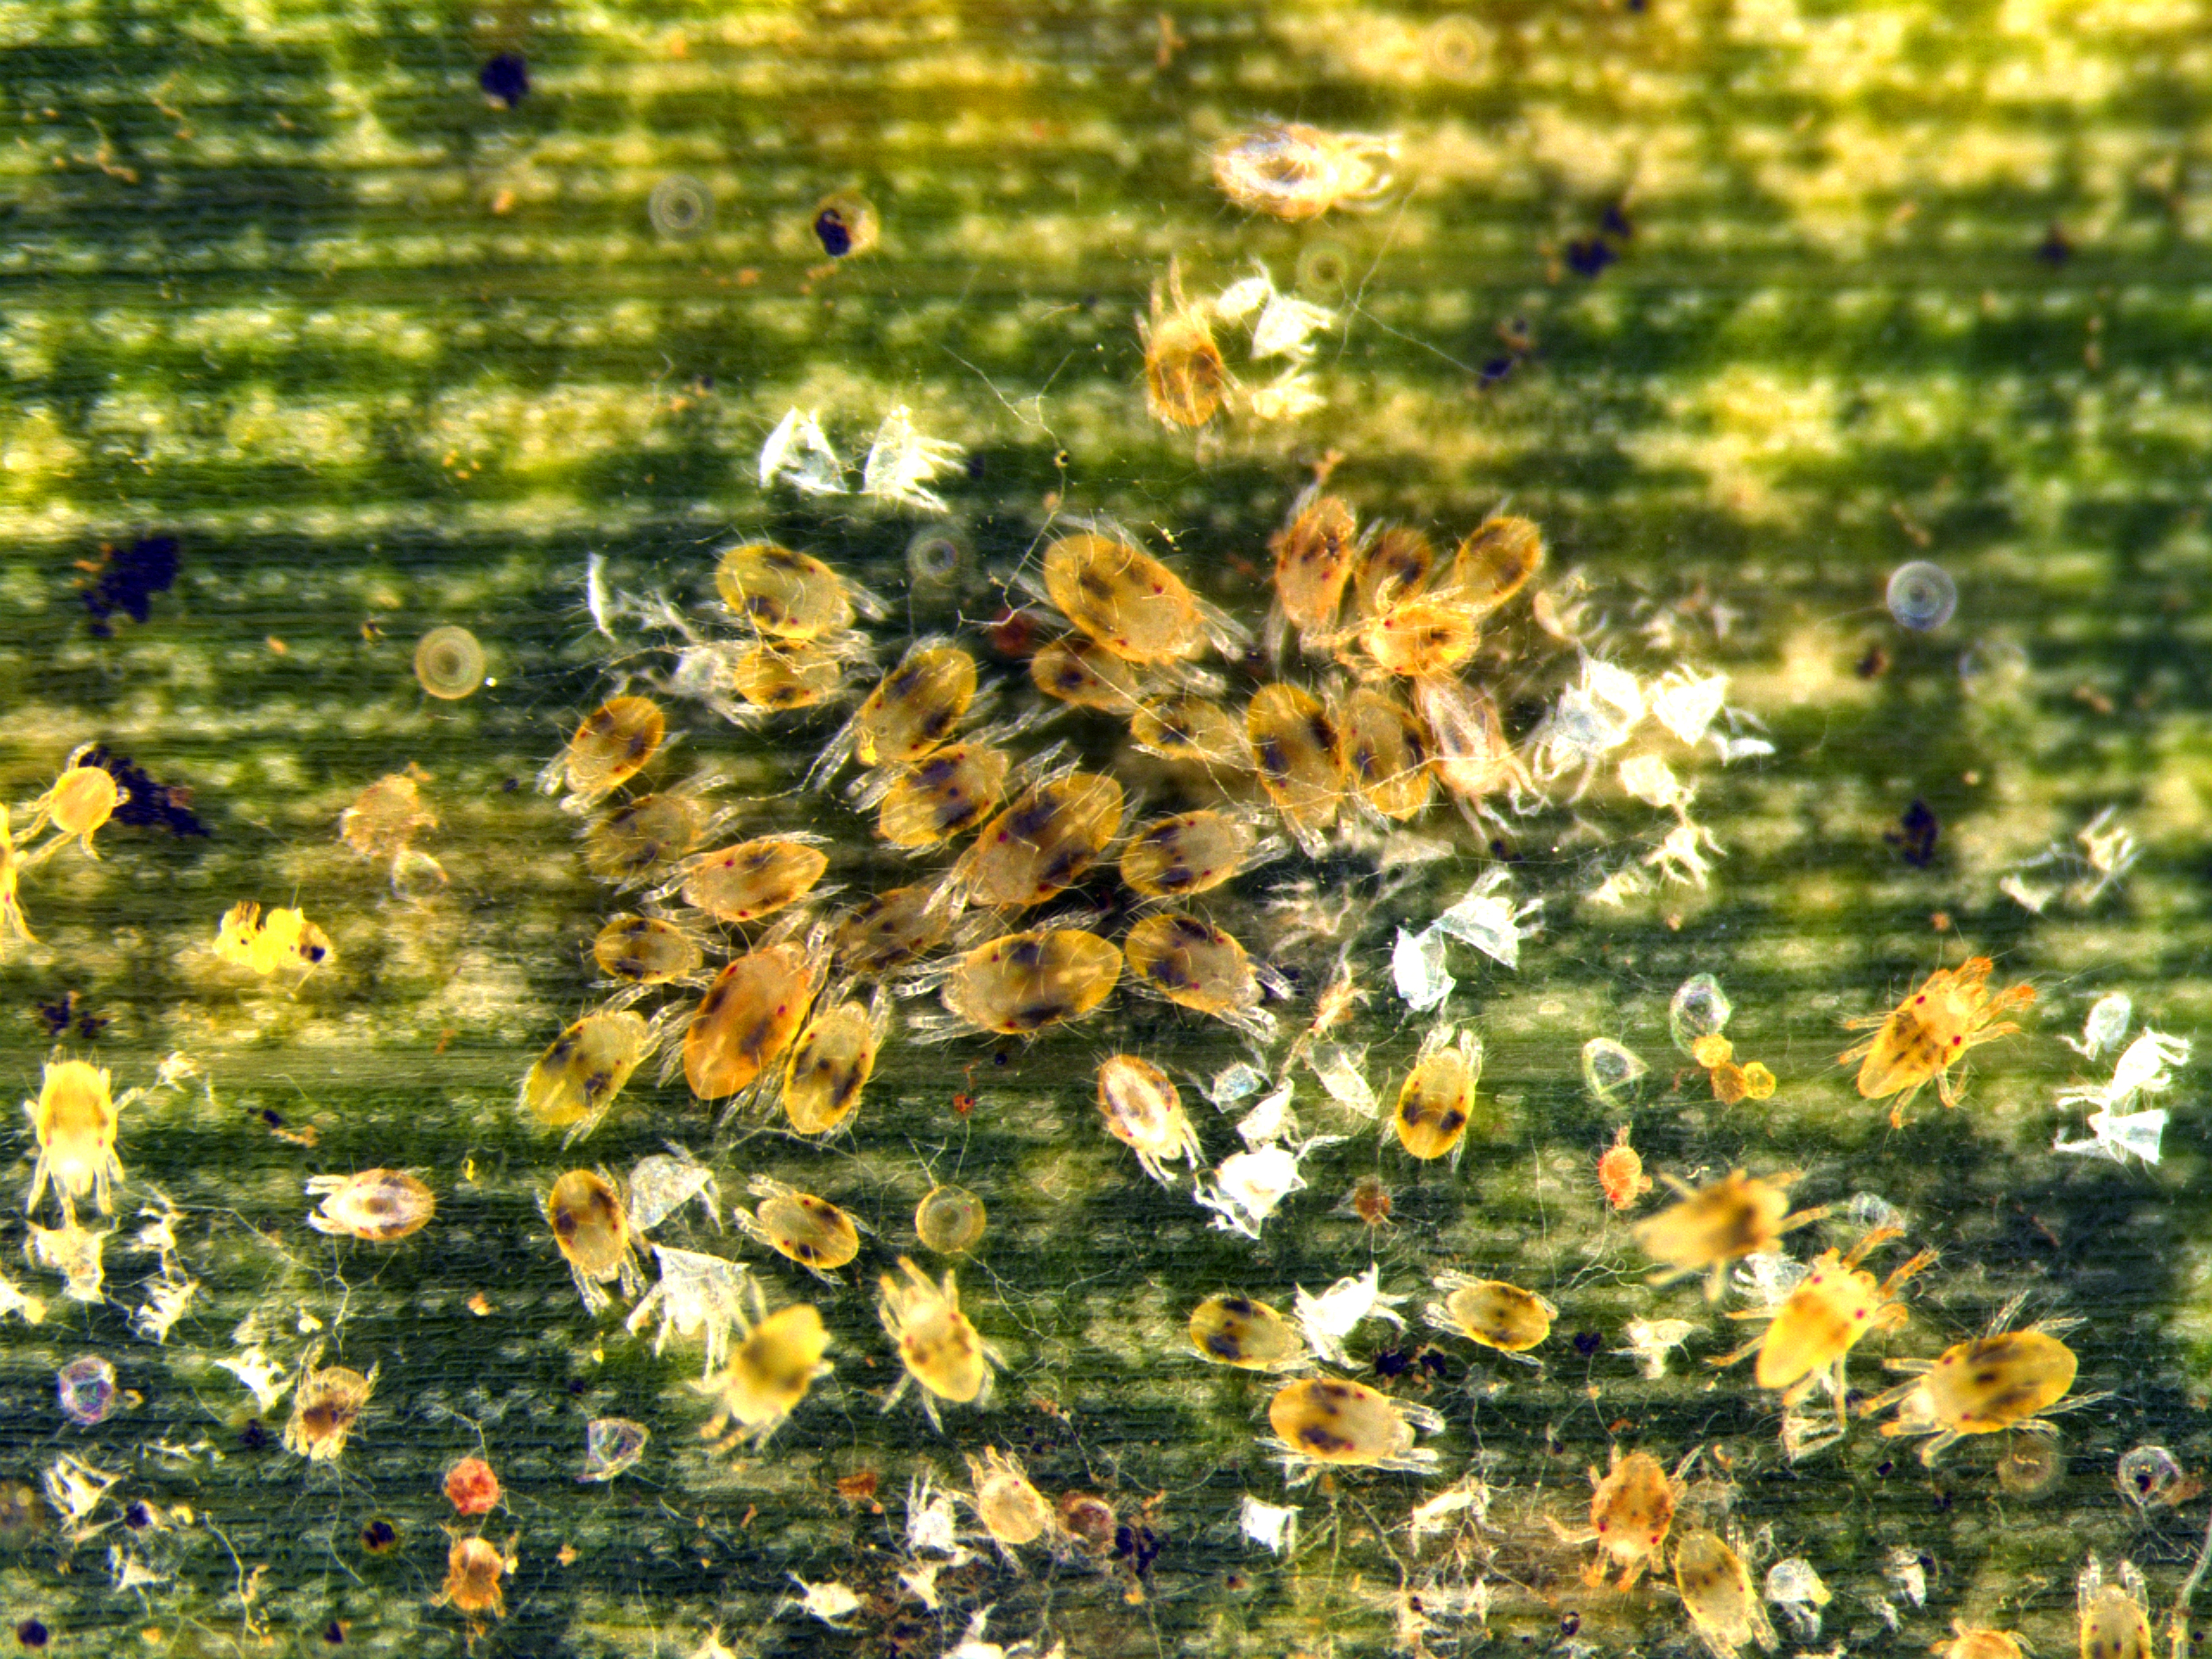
(830,1063)
(680,207)
(890,931)
(1185,377)
(1921,1040)
(1700,1009)
(937,1343)
(767,1378)
(74,1118)
(1324,1423)
(1383,752)
(380,1206)
(450,663)
(789,594)
(472,1487)
(1294,746)
(1123,598)
(950,1220)
(939,559)
(591,1229)
(1012,1509)
(1721,1222)
(1233,1329)
(2149,1477)
(611,1446)
(1437,1101)
(646,950)
(812,1231)
(2031,1467)
(576,1080)
(1190,853)
(473,1568)
(81,801)
(1921,595)
(1192,729)
(943,795)
(1292,171)
(1144,1111)
(1084,674)
(846,223)
(1043,843)
(1494,1313)
(1610,1071)
(1718,1596)
(638,837)
(86,1390)
(325,1404)
(752,879)
(283,939)
(1196,965)
(916,706)
(1313,560)
(748,1018)
(609,747)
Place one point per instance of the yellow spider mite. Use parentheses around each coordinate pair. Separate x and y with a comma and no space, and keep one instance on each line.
(777,1361)
(1718,1593)
(1931,1031)
(283,939)
(82,799)
(2004,1380)
(75,1119)
(1737,1216)
(1815,1330)
(939,1346)
(1631,1508)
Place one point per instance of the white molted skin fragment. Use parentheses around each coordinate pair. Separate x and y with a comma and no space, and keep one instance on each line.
(799,453)
(1417,969)
(1328,1318)
(698,1294)
(1493,925)
(1687,702)
(901,462)
(2106,1025)
(1272,1527)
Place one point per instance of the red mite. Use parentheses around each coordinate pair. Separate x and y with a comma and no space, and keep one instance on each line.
(963,1104)
(471,1486)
